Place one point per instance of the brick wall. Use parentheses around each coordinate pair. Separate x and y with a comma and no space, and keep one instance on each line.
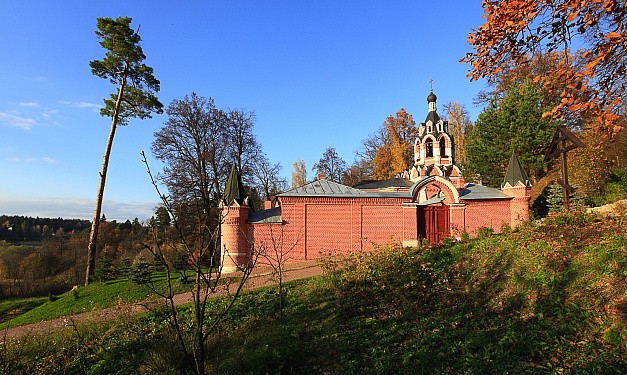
(486,214)
(320,225)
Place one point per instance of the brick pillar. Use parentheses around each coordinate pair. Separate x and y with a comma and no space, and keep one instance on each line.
(235,239)
(457,219)
(410,225)
(519,205)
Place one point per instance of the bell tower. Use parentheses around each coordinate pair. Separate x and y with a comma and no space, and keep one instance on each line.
(434,150)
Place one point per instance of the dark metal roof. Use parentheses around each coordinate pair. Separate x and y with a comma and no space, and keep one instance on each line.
(515,173)
(234,189)
(272,215)
(323,188)
(472,191)
(432,97)
(433,117)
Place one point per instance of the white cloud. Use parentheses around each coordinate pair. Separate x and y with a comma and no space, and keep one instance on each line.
(81,104)
(48,114)
(49,160)
(76,208)
(17,121)
(28,104)
(44,159)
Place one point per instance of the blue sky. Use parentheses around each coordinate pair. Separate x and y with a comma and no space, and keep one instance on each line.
(317,74)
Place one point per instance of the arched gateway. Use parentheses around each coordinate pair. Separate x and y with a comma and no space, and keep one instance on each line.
(434,196)
(428,201)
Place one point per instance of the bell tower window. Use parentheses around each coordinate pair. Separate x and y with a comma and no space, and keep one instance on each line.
(442,147)
(429,148)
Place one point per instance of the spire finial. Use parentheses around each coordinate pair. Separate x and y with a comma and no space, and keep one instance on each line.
(431,83)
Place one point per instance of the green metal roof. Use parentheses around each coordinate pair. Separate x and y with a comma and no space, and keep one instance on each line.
(234,189)
(515,173)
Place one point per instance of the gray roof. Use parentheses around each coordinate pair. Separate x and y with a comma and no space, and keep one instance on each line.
(384,184)
(472,191)
(272,215)
(323,188)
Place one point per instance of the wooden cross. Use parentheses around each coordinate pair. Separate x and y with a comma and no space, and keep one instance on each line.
(559,146)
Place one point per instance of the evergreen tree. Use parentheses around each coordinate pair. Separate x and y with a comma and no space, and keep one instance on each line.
(123,65)
(486,151)
(513,122)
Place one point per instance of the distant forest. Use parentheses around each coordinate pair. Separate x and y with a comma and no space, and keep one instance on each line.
(42,256)
(24,228)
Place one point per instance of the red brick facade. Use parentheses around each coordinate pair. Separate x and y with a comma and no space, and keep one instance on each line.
(431,201)
(313,226)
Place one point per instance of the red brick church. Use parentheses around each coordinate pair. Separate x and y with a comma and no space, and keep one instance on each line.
(431,201)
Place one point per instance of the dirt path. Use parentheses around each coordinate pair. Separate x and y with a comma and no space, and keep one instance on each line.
(260,277)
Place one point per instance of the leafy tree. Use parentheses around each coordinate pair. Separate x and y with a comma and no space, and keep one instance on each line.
(459,125)
(514,122)
(123,65)
(367,152)
(360,170)
(396,150)
(299,174)
(331,165)
(516,31)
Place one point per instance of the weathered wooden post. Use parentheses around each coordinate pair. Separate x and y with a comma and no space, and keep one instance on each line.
(559,146)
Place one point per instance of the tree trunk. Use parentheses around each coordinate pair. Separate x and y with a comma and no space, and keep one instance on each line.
(95,224)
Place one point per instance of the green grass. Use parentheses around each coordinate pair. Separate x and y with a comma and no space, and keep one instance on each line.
(96,296)
(12,307)
(545,300)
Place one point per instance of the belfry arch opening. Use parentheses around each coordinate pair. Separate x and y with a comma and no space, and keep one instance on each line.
(443,147)
(429,148)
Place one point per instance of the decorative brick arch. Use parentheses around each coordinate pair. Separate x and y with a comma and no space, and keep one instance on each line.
(433,186)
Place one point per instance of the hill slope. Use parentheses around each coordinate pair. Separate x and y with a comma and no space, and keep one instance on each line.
(545,299)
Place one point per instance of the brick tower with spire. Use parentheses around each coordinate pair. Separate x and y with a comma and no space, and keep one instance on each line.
(235,238)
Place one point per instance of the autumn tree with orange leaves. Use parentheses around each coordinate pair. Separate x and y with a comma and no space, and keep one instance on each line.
(592,85)
(396,152)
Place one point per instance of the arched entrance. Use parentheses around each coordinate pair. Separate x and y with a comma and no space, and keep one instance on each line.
(433,196)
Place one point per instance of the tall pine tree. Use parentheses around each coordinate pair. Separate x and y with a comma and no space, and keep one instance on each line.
(135,96)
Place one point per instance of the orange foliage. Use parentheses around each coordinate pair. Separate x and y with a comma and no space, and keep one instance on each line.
(397,151)
(516,31)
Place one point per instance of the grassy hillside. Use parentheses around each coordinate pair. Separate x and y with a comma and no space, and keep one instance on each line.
(550,298)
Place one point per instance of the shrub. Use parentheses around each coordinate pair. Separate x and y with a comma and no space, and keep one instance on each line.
(485,232)
(140,271)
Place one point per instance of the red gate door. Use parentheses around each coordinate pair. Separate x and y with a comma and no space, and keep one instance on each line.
(433,223)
